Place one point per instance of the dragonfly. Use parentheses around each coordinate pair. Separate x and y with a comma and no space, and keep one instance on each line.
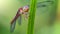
(25,11)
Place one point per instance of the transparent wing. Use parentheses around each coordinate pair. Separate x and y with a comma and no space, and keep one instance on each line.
(12,27)
(19,19)
(44,4)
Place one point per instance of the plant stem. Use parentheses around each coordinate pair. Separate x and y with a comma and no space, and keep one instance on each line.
(31,17)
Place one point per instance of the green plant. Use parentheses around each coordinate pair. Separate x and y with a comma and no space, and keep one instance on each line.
(31,17)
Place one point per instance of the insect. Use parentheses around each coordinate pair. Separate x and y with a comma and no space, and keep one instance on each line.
(25,11)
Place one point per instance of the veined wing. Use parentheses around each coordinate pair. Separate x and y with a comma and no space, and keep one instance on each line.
(44,4)
(19,20)
(12,26)
(13,22)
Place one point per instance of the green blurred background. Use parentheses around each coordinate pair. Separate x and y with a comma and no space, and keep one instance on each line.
(8,9)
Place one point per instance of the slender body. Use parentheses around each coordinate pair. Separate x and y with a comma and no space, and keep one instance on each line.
(21,11)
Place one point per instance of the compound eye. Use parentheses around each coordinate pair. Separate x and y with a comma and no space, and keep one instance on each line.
(25,7)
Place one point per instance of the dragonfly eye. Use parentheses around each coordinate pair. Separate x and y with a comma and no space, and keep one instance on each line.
(25,8)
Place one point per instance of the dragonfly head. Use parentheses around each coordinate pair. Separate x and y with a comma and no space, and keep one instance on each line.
(25,8)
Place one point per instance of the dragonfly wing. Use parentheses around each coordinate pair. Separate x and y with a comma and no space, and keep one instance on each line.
(13,22)
(12,27)
(19,20)
(43,4)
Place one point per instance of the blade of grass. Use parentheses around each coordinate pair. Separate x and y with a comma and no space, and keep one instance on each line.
(31,17)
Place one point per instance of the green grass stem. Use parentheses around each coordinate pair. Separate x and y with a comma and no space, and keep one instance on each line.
(31,17)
